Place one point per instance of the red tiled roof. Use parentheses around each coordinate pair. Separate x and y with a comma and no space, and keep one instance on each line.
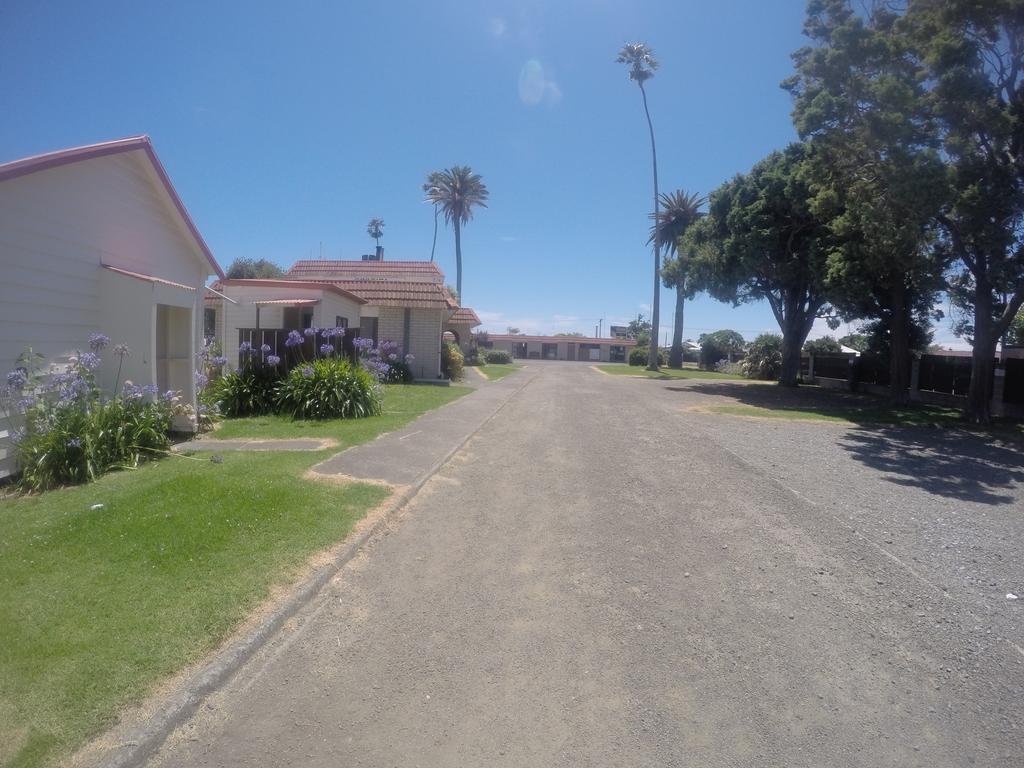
(322,285)
(364,270)
(570,339)
(464,316)
(399,293)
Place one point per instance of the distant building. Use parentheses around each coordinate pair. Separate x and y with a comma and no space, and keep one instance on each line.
(581,348)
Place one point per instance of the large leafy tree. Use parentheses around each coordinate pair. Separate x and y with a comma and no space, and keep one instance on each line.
(457,191)
(253,269)
(878,180)
(761,241)
(679,210)
(641,62)
(972,59)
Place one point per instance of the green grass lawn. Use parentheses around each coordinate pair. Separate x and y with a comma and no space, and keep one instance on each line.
(97,606)
(873,414)
(923,416)
(402,404)
(668,373)
(495,371)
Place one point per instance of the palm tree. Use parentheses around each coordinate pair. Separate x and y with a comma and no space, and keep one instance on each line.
(642,64)
(457,190)
(432,183)
(375,229)
(677,212)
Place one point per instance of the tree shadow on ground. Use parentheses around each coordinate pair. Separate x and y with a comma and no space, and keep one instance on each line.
(915,447)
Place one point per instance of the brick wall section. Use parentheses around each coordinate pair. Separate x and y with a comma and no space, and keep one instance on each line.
(424,336)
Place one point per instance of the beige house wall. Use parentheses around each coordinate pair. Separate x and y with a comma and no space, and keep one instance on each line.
(57,228)
(424,342)
(562,349)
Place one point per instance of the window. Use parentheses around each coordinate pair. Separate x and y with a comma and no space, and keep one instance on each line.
(549,351)
(307,318)
(209,323)
(340,322)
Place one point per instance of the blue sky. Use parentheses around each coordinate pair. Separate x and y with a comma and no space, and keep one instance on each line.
(285,129)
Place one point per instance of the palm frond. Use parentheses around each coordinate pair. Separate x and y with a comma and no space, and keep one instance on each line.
(678,210)
(457,190)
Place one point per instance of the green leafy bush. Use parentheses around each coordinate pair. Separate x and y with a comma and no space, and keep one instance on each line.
(451,361)
(498,357)
(71,432)
(717,346)
(764,357)
(329,389)
(249,392)
(638,356)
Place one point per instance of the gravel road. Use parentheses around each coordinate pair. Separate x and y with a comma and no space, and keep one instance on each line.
(607,576)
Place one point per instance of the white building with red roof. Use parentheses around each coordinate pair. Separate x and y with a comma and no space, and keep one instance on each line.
(401,301)
(96,239)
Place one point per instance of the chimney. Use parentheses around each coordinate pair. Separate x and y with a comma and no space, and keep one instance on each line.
(380,253)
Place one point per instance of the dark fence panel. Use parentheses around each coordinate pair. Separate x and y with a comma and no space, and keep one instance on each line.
(833,365)
(945,373)
(1014,385)
(291,356)
(872,369)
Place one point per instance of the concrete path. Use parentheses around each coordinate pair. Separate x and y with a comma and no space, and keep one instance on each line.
(408,455)
(291,444)
(604,576)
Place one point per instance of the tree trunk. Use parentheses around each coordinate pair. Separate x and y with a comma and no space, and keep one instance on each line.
(792,343)
(899,344)
(458,257)
(675,357)
(652,355)
(433,245)
(980,392)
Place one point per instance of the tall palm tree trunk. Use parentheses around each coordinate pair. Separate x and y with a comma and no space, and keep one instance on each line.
(458,258)
(652,356)
(433,246)
(675,357)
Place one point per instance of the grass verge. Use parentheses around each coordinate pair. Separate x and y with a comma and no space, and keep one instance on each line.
(99,605)
(495,371)
(667,373)
(924,416)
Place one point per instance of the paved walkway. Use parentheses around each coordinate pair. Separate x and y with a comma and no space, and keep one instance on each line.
(604,576)
(292,444)
(410,454)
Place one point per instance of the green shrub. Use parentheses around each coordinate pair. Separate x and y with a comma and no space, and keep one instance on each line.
(638,356)
(764,357)
(72,433)
(498,357)
(329,389)
(451,361)
(398,373)
(717,346)
(251,392)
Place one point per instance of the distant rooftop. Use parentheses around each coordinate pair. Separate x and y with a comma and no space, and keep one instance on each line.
(337,269)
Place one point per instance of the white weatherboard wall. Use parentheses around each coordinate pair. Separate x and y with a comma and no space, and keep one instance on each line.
(57,227)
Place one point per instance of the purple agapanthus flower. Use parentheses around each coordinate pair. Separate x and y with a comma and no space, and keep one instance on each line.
(75,442)
(121,350)
(327,333)
(265,349)
(25,403)
(311,331)
(201,379)
(307,371)
(273,360)
(409,358)
(90,361)
(17,435)
(169,395)
(131,392)
(326,349)
(98,341)
(245,347)
(294,339)
(363,344)
(219,361)
(17,378)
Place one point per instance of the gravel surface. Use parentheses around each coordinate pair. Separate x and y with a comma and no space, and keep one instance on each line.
(605,576)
